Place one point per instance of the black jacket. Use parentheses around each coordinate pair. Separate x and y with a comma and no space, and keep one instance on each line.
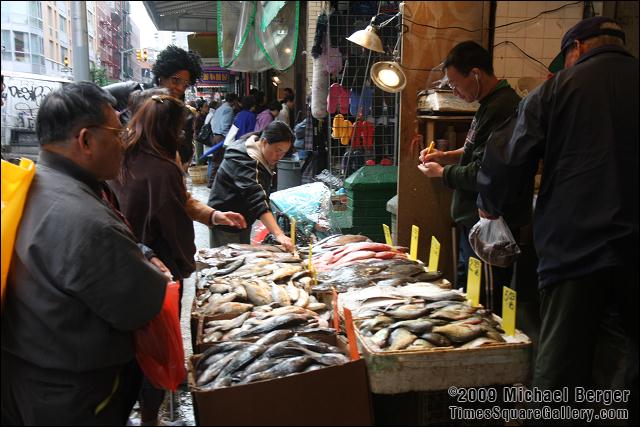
(584,124)
(242,185)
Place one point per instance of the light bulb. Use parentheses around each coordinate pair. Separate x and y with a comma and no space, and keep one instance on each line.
(389,77)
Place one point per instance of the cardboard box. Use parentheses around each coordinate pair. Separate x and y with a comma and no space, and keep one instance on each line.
(337,395)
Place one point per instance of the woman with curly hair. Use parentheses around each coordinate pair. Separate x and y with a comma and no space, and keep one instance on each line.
(176,69)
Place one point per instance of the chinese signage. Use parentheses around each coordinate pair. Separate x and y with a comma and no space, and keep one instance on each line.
(214,76)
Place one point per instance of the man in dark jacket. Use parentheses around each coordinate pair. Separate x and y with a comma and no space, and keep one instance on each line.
(470,74)
(78,285)
(583,123)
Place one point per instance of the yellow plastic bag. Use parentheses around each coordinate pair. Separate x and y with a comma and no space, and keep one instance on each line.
(16,181)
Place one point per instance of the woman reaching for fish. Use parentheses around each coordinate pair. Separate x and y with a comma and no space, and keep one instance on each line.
(243,183)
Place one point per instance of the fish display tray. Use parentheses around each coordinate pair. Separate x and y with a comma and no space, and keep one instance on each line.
(336,395)
(199,346)
(392,372)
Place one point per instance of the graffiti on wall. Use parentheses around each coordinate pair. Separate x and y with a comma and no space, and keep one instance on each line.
(23,99)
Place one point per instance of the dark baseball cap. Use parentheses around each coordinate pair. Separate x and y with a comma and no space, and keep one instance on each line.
(583,30)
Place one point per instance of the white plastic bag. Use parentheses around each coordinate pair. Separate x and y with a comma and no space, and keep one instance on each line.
(493,242)
(231,135)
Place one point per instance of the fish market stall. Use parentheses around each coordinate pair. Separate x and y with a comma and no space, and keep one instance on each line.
(263,339)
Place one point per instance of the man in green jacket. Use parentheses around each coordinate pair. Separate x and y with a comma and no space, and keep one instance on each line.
(470,74)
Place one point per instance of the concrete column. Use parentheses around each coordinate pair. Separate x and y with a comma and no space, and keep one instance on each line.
(80,41)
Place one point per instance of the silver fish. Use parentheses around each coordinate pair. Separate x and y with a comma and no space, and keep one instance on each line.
(459,333)
(275,336)
(242,358)
(417,326)
(327,359)
(257,293)
(234,308)
(279,295)
(278,322)
(436,339)
(286,367)
(303,298)
(313,345)
(293,291)
(317,306)
(400,339)
(214,370)
(381,337)
(420,344)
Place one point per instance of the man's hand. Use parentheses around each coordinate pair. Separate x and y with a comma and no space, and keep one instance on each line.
(433,156)
(286,242)
(160,266)
(232,219)
(486,215)
(431,170)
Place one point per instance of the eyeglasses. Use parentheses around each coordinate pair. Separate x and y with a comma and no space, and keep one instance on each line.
(178,81)
(122,132)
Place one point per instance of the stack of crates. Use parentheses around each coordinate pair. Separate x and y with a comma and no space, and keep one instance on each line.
(368,191)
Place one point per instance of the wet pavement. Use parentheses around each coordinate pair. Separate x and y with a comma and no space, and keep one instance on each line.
(183,413)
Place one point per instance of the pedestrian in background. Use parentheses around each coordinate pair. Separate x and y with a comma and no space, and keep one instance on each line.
(268,115)
(245,120)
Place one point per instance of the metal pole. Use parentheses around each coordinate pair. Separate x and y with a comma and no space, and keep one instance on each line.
(80,41)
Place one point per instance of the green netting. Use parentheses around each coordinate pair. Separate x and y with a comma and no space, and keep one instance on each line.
(257,35)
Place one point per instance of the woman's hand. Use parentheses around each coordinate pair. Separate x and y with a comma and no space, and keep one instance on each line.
(285,241)
(160,266)
(232,219)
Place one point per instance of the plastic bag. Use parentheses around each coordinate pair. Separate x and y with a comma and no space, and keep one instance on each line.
(231,135)
(493,242)
(159,348)
(16,180)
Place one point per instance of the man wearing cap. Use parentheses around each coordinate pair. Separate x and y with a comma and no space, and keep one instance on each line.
(583,123)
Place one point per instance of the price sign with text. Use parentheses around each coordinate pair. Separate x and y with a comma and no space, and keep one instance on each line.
(434,255)
(509,311)
(473,281)
(387,235)
(413,250)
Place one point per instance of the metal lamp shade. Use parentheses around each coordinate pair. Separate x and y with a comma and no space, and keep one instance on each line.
(388,76)
(367,38)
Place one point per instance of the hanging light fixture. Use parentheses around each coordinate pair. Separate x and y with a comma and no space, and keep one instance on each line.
(388,76)
(367,38)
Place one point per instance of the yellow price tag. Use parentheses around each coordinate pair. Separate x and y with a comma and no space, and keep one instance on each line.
(387,234)
(293,230)
(312,268)
(473,281)
(509,310)
(415,233)
(434,256)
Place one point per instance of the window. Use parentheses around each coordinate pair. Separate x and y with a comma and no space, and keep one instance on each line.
(64,52)
(63,24)
(37,46)
(35,14)
(52,50)
(50,16)
(19,13)
(21,43)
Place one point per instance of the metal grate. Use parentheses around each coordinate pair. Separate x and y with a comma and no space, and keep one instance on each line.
(349,147)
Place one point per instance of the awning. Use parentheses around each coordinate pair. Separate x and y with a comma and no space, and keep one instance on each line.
(190,16)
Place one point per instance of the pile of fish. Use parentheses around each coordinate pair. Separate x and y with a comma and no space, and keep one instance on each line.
(380,272)
(275,355)
(426,322)
(355,252)
(246,284)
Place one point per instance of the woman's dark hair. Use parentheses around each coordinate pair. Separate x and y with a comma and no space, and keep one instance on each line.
(213,104)
(157,125)
(274,105)
(467,55)
(248,102)
(288,98)
(231,97)
(277,131)
(70,108)
(173,59)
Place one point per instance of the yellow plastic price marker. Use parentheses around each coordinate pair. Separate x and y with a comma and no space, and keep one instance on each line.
(387,234)
(415,234)
(351,335)
(336,311)
(473,281)
(509,310)
(434,255)
(312,268)
(293,230)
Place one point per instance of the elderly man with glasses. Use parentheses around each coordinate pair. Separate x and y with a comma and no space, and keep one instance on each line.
(78,284)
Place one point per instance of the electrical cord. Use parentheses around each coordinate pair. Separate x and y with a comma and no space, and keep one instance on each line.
(497,26)
(523,52)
